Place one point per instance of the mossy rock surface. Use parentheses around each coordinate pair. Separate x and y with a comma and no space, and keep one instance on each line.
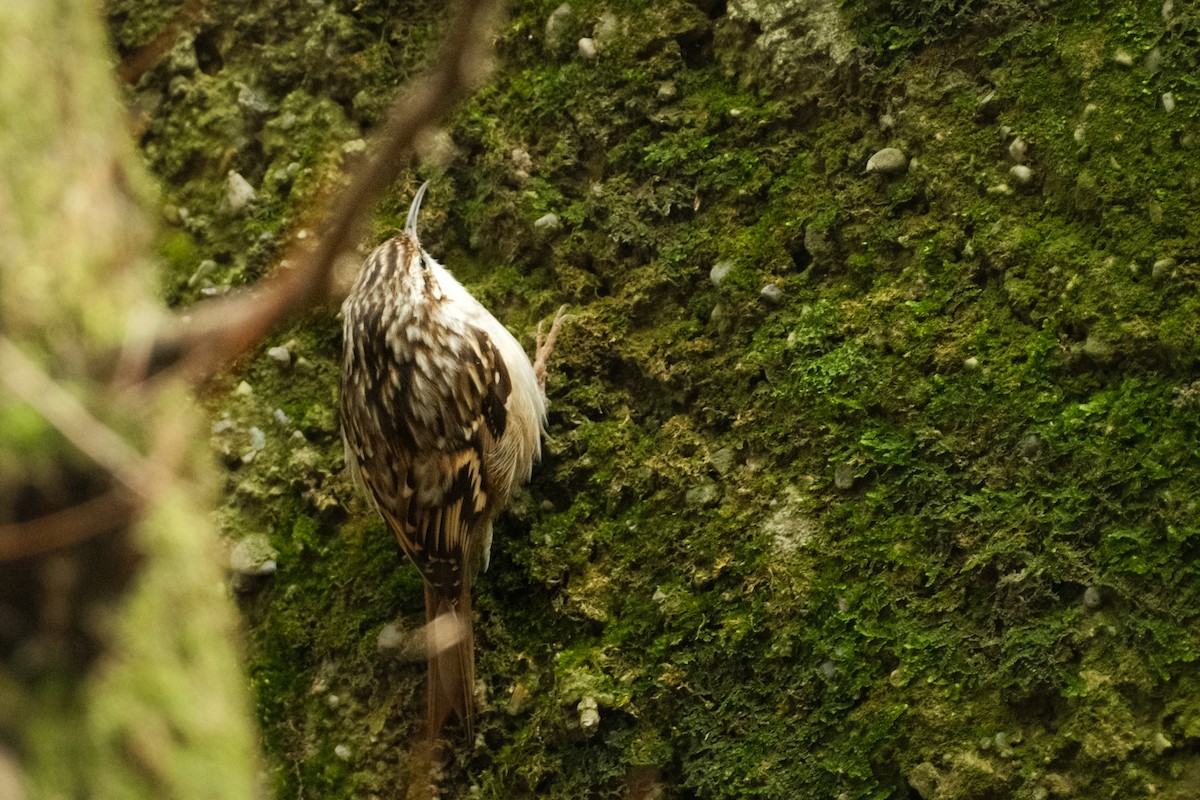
(921,521)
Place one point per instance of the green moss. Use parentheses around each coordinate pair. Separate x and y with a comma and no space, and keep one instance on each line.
(790,550)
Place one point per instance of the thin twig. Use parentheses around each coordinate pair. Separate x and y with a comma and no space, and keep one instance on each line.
(60,408)
(224,329)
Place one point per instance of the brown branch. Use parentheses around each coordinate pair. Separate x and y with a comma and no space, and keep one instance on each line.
(133,68)
(222,330)
(110,511)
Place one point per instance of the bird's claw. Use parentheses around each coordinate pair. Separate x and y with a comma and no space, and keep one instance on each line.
(545,345)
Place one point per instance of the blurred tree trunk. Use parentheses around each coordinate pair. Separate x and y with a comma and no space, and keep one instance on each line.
(119,653)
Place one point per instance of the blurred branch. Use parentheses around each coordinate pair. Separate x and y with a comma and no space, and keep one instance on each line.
(133,68)
(221,330)
(64,411)
(111,511)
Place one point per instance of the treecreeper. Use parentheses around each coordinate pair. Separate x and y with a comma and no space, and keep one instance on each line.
(442,415)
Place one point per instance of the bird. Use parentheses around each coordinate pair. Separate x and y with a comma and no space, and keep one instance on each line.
(442,418)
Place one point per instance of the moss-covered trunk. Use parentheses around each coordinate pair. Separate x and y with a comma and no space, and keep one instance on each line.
(120,673)
(871,474)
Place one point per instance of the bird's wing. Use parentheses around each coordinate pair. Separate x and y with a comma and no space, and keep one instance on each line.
(437,412)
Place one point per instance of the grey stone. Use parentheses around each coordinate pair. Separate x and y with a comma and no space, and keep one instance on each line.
(558,25)
(1018,150)
(843,476)
(1031,446)
(771,294)
(889,161)
(719,272)
(1022,176)
(1163,268)
(589,715)
(924,779)
(238,191)
(280,355)
(253,556)
(703,494)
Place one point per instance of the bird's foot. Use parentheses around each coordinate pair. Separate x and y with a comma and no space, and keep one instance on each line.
(545,346)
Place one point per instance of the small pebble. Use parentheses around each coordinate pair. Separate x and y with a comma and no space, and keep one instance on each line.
(1080,134)
(205,269)
(1018,150)
(243,390)
(1022,176)
(1123,58)
(723,460)
(608,28)
(587,49)
(888,161)
(557,24)
(1092,598)
(589,715)
(342,752)
(280,355)
(253,556)
(925,780)
(252,100)
(238,191)
(1031,446)
(1163,268)
(222,425)
(333,701)
(391,637)
(547,222)
(1168,102)
(843,476)
(703,494)
(771,294)
(989,107)
(719,272)
(659,595)
(828,670)
(999,190)
(281,417)
(971,362)
(667,91)
(522,163)
(1153,60)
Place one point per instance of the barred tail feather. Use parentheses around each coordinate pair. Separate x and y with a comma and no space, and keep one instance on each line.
(451,652)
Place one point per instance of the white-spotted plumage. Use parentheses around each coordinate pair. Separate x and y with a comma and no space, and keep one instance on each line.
(442,414)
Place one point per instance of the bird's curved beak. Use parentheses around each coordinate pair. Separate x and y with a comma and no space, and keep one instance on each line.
(410,224)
